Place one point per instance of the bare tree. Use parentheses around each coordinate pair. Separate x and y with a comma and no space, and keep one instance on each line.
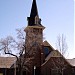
(62,48)
(59,62)
(9,44)
(61,44)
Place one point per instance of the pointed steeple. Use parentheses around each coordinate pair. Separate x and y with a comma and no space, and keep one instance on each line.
(34,19)
(34,11)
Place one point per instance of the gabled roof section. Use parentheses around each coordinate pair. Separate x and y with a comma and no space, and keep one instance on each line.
(45,43)
(34,11)
(6,62)
(54,53)
(71,61)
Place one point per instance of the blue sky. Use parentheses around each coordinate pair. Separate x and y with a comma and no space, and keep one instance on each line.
(57,16)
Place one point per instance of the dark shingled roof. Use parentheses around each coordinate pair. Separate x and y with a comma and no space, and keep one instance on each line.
(34,11)
(34,19)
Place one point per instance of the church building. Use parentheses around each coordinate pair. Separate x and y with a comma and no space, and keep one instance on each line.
(45,60)
(40,57)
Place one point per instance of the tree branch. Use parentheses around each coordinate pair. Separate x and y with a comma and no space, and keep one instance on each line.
(12,55)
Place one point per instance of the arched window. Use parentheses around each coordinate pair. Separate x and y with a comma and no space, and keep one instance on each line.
(36,20)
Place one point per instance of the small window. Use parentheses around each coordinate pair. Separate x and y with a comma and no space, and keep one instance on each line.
(46,51)
(36,20)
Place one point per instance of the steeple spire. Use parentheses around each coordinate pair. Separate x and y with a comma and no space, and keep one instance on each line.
(34,11)
(34,19)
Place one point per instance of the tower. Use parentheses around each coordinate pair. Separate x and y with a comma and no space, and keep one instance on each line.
(34,37)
